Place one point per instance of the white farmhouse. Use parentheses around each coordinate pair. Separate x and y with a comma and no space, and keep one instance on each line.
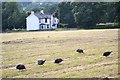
(41,21)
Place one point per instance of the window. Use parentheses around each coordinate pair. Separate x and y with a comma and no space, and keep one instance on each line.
(47,25)
(41,26)
(45,20)
(39,20)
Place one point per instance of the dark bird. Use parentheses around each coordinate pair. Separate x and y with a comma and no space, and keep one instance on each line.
(106,78)
(107,53)
(79,50)
(20,67)
(58,60)
(41,62)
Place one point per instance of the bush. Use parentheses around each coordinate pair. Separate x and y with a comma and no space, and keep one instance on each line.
(61,25)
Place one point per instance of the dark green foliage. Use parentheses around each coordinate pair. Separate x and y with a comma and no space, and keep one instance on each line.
(118,13)
(0,17)
(56,13)
(61,25)
(87,14)
(66,15)
(50,9)
(12,17)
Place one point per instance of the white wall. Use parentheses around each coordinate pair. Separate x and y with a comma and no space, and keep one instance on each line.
(42,21)
(51,22)
(32,22)
(54,21)
(47,23)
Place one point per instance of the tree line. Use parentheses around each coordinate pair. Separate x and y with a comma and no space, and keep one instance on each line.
(87,15)
(12,17)
(83,15)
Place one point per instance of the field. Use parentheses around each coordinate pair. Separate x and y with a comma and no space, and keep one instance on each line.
(28,47)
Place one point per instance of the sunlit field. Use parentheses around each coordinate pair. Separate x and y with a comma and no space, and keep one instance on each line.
(28,47)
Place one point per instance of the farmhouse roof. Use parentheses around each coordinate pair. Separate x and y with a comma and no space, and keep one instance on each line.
(42,24)
(39,15)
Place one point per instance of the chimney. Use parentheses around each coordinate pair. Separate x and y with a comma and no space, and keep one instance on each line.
(42,11)
(32,12)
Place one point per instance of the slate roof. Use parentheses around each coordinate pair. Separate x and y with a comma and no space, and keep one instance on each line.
(39,15)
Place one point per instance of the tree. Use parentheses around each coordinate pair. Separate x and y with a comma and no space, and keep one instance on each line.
(66,15)
(56,13)
(22,20)
(0,17)
(118,13)
(9,11)
(87,14)
(12,17)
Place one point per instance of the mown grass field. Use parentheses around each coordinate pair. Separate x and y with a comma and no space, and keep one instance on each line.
(28,47)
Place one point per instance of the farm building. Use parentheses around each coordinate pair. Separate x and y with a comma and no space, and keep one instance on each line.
(41,21)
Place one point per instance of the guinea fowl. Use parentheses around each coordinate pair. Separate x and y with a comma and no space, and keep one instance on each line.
(41,62)
(107,53)
(20,67)
(79,50)
(58,60)
(106,78)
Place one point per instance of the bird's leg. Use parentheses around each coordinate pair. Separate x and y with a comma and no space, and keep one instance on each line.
(59,64)
(101,57)
(22,70)
(25,69)
(42,65)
